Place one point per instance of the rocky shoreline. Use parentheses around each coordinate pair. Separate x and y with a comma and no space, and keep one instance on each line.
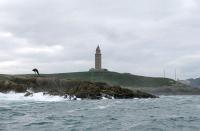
(68,88)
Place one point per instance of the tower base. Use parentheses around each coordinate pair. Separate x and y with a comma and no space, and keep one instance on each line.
(98,70)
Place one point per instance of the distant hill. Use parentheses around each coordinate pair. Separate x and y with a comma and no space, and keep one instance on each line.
(193,82)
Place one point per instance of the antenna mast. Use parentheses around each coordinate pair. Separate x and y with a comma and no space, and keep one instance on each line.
(175,75)
(164,73)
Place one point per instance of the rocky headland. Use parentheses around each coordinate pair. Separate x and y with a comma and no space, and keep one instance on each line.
(67,88)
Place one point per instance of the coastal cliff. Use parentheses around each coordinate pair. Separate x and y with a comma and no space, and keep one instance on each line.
(62,87)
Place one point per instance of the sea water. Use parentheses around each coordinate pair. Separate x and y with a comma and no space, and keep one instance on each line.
(53,113)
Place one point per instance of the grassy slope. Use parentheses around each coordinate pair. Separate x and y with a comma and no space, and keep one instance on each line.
(157,86)
(194,82)
(3,77)
(114,78)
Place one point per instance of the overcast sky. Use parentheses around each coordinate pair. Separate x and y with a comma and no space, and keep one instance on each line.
(142,37)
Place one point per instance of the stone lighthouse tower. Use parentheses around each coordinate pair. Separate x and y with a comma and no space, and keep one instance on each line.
(98,58)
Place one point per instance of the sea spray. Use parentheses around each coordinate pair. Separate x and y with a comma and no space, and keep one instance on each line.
(41,96)
(12,96)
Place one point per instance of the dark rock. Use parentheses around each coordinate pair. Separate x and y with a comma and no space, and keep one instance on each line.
(61,87)
(70,97)
(28,94)
(45,93)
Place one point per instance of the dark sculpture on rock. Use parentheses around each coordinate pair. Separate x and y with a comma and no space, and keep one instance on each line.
(36,71)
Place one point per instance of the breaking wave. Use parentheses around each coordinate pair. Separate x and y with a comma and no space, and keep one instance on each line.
(12,96)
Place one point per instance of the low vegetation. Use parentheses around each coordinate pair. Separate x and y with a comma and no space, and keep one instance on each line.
(114,78)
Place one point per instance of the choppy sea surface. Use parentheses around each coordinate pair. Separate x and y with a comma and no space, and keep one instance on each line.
(47,113)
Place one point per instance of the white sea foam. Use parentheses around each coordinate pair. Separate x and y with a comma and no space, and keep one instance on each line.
(104,98)
(102,107)
(35,97)
(12,96)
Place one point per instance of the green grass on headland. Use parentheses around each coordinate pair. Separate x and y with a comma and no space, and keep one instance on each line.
(114,78)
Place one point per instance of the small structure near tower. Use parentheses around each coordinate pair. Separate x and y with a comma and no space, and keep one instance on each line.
(98,61)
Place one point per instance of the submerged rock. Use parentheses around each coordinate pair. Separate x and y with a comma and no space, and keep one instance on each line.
(70,97)
(69,88)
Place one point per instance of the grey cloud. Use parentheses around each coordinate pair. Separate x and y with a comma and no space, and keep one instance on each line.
(141,36)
